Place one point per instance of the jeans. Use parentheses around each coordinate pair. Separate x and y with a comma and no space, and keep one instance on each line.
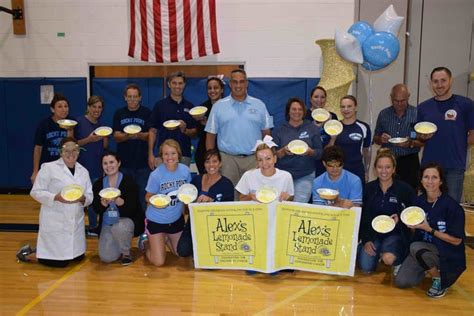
(140,176)
(303,188)
(455,181)
(391,244)
(116,239)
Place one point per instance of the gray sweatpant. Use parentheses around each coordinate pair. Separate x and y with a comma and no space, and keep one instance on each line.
(423,256)
(116,239)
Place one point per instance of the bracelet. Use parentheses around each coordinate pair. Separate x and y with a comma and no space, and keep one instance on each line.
(432,231)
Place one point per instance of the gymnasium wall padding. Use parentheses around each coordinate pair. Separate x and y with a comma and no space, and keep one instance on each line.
(22,110)
(23,113)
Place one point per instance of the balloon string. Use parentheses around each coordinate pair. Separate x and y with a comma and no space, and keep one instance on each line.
(371,100)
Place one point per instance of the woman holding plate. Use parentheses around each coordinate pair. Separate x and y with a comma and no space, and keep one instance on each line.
(438,246)
(212,186)
(215,92)
(299,165)
(94,145)
(266,174)
(61,237)
(383,200)
(165,223)
(120,214)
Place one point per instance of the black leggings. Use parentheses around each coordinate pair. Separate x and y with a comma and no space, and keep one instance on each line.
(60,263)
(185,244)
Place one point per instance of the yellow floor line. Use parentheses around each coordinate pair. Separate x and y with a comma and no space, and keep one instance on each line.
(48,291)
(290,298)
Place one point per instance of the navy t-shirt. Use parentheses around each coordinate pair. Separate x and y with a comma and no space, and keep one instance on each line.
(447,216)
(221,191)
(133,152)
(168,109)
(454,118)
(48,135)
(90,158)
(352,140)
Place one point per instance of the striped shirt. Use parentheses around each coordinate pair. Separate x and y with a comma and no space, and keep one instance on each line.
(388,122)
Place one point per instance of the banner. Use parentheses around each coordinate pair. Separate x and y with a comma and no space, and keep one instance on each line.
(276,236)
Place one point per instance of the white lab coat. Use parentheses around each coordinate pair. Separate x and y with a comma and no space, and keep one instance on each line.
(61,226)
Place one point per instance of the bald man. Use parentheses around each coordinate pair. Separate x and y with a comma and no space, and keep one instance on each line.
(397,121)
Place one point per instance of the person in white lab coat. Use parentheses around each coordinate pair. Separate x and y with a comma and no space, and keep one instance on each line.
(61,237)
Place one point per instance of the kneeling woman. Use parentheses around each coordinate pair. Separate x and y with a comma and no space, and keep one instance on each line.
(439,240)
(384,196)
(165,225)
(61,237)
(265,174)
(212,187)
(120,218)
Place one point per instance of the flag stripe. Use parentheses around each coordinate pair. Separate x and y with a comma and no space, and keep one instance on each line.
(200,28)
(172,30)
(144,32)
(131,48)
(213,22)
(173,39)
(187,31)
(158,35)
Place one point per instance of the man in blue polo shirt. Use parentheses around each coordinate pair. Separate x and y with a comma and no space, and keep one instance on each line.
(132,147)
(237,121)
(454,116)
(173,107)
(397,121)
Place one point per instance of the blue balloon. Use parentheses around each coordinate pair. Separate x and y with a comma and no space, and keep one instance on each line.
(381,49)
(361,30)
(368,66)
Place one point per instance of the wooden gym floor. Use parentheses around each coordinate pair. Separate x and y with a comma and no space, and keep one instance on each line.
(92,287)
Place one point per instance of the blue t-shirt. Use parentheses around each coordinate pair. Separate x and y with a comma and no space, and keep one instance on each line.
(454,118)
(163,181)
(48,135)
(221,191)
(133,152)
(90,158)
(238,125)
(352,140)
(348,185)
(447,216)
(168,109)
(298,165)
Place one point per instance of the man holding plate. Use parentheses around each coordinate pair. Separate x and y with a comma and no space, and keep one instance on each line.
(453,116)
(394,130)
(130,126)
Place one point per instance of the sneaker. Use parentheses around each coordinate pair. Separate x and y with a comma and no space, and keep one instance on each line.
(126,260)
(92,232)
(435,289)
(24,252)
(141,241)
(396,269)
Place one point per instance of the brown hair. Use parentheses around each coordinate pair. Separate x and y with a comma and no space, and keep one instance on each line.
(133,86)
(170,143)
(385,153)
(318,88)
(288,106)
(56,98)
(263,147)
(432,165)
(349,97)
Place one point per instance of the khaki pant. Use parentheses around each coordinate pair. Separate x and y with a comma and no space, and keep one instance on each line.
(233,167)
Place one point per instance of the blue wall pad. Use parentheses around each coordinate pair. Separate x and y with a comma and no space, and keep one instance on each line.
(23,113)
(3,138)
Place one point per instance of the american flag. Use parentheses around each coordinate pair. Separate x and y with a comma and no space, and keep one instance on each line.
(172,30)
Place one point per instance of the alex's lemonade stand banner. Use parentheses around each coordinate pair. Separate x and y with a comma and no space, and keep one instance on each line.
(276,236)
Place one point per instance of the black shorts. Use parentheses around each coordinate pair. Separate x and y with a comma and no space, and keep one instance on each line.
(172,228)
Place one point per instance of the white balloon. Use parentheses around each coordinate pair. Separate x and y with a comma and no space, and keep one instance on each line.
(389,21)
(348,47)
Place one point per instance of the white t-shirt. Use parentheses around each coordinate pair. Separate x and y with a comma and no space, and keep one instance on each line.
(253,180)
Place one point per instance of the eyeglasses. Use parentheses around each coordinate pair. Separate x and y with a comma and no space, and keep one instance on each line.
(71,152)
(334,164)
